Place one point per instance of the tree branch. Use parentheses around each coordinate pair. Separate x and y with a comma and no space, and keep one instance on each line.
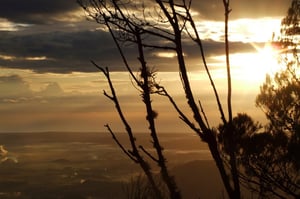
(130,155)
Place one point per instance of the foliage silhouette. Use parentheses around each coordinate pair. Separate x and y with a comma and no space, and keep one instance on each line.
(272,166)
(139,188)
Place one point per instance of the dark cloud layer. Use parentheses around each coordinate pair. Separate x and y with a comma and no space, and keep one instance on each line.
(71,51)
(35,11)
(62,51)
(65,51)
(214,10)
(45,11)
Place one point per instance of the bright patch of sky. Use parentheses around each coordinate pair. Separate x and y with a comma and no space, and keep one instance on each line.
(6,25)
(241,30)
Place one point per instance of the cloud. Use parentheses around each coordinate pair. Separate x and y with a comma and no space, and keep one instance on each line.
(49,108)
(51,11)
(15,90)
(55,45)
(66,52)
(214,9)
(63,52)
(52,89)
(13,86)
(35,11)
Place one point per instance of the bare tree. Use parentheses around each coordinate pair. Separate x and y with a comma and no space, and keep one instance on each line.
(171,23)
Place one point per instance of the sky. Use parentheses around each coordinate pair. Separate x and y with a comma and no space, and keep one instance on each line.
(47,82)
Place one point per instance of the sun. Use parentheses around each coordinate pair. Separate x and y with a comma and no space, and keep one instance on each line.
(256,65)
(268,58)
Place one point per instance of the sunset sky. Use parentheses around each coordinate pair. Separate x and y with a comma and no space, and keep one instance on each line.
(48,84)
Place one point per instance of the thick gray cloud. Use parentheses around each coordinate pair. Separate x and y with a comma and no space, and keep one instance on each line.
(214,9)
(35,11)
(42,47)
(46,11)
(66,52)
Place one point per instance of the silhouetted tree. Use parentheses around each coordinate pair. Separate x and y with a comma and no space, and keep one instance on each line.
(272,164)
(280,100)
(290,27)
(244,127)
(283,111)
(266,163)
(165,25)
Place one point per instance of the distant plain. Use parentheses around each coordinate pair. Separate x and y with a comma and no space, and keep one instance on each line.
(58,165)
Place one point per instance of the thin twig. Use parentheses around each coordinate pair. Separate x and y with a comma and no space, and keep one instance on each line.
(130,155)
(148,154)
(203,113)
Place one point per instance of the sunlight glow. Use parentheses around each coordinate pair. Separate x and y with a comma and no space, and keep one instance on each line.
(258,64)
(11,58)
(36,58)
(6,25)
(241,30)
(254,30)
(166,54)
(71,16)
(254,66)
(7,57)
